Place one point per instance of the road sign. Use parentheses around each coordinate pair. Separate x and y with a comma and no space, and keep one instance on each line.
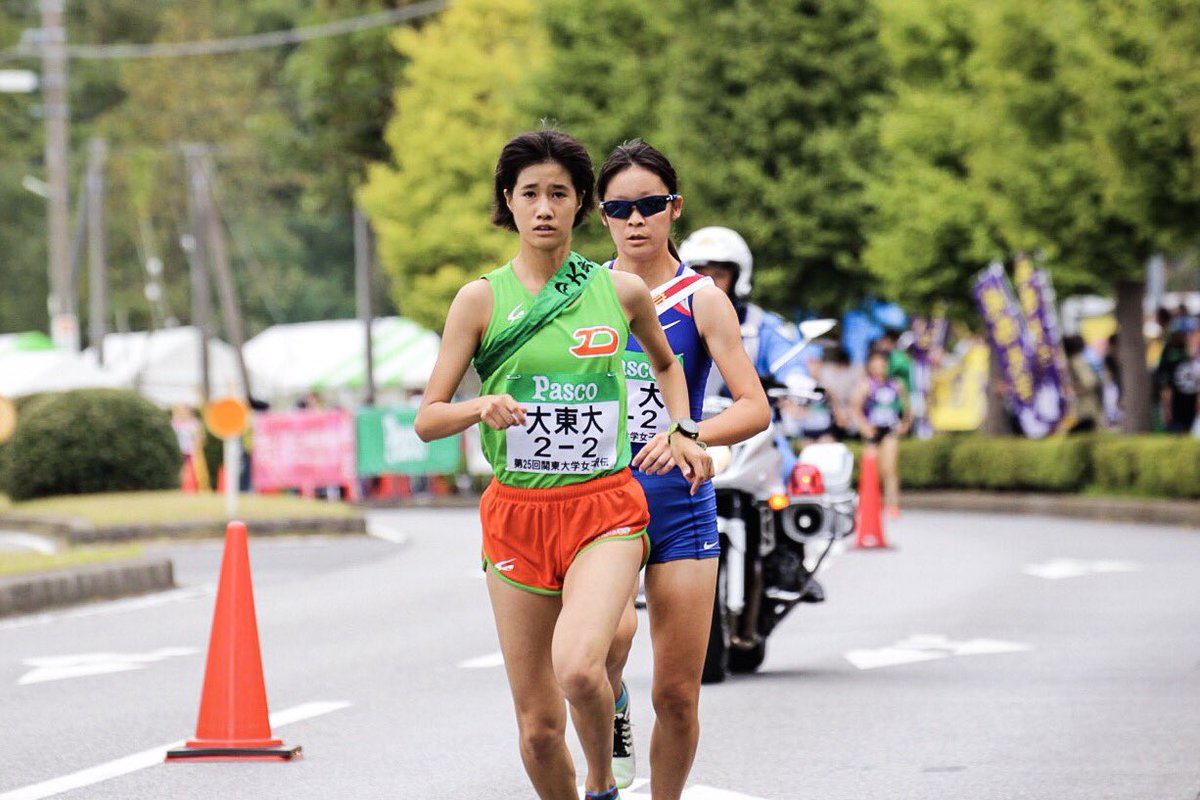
(226,417)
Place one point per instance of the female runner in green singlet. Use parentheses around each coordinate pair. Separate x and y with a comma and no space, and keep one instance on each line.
(563,522)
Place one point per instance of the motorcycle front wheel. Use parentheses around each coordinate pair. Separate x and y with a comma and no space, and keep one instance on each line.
(743,660)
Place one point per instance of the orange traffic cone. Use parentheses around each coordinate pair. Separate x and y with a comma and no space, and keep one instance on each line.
(187,477)
(233,722)
(870,517)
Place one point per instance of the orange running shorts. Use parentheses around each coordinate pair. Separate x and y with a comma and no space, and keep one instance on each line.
(531,536)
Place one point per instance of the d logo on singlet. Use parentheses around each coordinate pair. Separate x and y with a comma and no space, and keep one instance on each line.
(594,342)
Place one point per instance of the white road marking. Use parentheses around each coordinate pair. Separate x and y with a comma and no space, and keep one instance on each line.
(1059,568)
(111,607)
(57,668)
(929,647)
(386,532)
(151,757)
(691,793)
(10,540)
(483,662)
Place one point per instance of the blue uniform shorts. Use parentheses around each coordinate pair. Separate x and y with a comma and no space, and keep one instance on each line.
(681,525)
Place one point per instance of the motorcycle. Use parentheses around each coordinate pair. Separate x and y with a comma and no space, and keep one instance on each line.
(767,524)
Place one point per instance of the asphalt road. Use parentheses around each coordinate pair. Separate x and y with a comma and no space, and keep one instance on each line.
(984,657)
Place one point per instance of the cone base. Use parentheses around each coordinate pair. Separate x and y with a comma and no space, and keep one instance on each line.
(190,753)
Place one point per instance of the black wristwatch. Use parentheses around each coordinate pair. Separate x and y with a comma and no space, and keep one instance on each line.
(684,427)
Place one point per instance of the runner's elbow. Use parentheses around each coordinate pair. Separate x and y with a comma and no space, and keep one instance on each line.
(762,417)
(424,427)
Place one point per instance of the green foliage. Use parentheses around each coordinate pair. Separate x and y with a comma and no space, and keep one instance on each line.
(1161,466)
(456,108)
(291,130)
(1014,129)
(92,440)
(924,463)
(770,119)
(1055,464)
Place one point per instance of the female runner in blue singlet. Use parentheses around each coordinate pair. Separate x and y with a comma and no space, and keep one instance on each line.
(638,190)
(883,419)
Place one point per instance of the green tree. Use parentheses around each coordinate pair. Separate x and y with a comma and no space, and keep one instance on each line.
(456,106)
(1014,129)
(770,119)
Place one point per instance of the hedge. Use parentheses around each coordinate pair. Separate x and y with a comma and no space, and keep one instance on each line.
(91,440)
(1158,466)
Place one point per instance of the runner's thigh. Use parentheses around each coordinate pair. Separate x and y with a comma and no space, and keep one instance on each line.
(596,589)
(525,623)
(679,598)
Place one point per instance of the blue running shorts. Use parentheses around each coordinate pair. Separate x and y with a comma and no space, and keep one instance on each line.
(681,525)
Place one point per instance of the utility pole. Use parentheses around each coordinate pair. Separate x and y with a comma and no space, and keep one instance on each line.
(97,279)
(64,322)
(362,292)
(219,262)
(194,246)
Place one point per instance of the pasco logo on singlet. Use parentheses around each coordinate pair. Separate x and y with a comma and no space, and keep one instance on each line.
(545,389)
(596,341)
(516,313)
(638,370)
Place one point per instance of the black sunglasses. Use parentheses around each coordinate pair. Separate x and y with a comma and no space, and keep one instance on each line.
(647,206)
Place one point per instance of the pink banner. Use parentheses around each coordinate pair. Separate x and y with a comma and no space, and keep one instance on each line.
(304,450)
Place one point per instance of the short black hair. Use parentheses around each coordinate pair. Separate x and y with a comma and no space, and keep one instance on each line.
(540,147)
(636,153)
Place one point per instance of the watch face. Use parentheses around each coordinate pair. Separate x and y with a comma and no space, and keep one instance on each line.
(688,427)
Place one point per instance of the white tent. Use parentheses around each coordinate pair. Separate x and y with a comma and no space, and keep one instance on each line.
(329,356)
(25,372)
(164,365)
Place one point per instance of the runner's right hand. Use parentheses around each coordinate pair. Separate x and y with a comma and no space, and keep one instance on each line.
(501,411)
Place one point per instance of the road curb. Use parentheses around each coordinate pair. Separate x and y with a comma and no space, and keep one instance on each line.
(77,531)
(28,594)
(1151,511)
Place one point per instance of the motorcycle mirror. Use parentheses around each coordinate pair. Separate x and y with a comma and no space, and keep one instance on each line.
(814,328)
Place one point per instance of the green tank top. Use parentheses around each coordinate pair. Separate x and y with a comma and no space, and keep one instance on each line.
(569,378)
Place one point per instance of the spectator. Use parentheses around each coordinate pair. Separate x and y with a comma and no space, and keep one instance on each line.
(1086,385)
(840,379)
(1178,376)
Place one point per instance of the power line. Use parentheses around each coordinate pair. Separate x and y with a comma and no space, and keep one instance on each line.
(239,44)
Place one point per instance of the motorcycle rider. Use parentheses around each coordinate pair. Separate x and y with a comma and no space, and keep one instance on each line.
(723,255)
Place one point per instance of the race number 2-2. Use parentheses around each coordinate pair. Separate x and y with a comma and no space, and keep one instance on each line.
(572,422)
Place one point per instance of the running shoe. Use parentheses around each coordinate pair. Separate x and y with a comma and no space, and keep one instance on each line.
(624,766)
(611,794)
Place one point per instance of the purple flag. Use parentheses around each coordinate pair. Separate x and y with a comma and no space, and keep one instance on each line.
(929,335)
(1051,379)
(1012,346)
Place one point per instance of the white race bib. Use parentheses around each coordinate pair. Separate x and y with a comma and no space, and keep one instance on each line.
(571,425)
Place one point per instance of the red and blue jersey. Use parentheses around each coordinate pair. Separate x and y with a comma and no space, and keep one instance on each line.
(647,412)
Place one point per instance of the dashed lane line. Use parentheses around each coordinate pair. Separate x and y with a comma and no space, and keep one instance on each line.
(151,757)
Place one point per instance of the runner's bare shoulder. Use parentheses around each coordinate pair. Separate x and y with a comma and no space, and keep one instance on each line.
(711,306)
(631,289)
(473,304)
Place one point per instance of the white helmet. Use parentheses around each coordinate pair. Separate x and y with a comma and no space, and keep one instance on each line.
(715,245)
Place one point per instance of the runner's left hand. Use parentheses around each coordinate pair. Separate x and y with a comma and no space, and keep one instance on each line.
(655,456)
(694,460)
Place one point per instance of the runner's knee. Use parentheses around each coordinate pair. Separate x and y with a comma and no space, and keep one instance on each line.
(542,734)
(582,679)
(675,702)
